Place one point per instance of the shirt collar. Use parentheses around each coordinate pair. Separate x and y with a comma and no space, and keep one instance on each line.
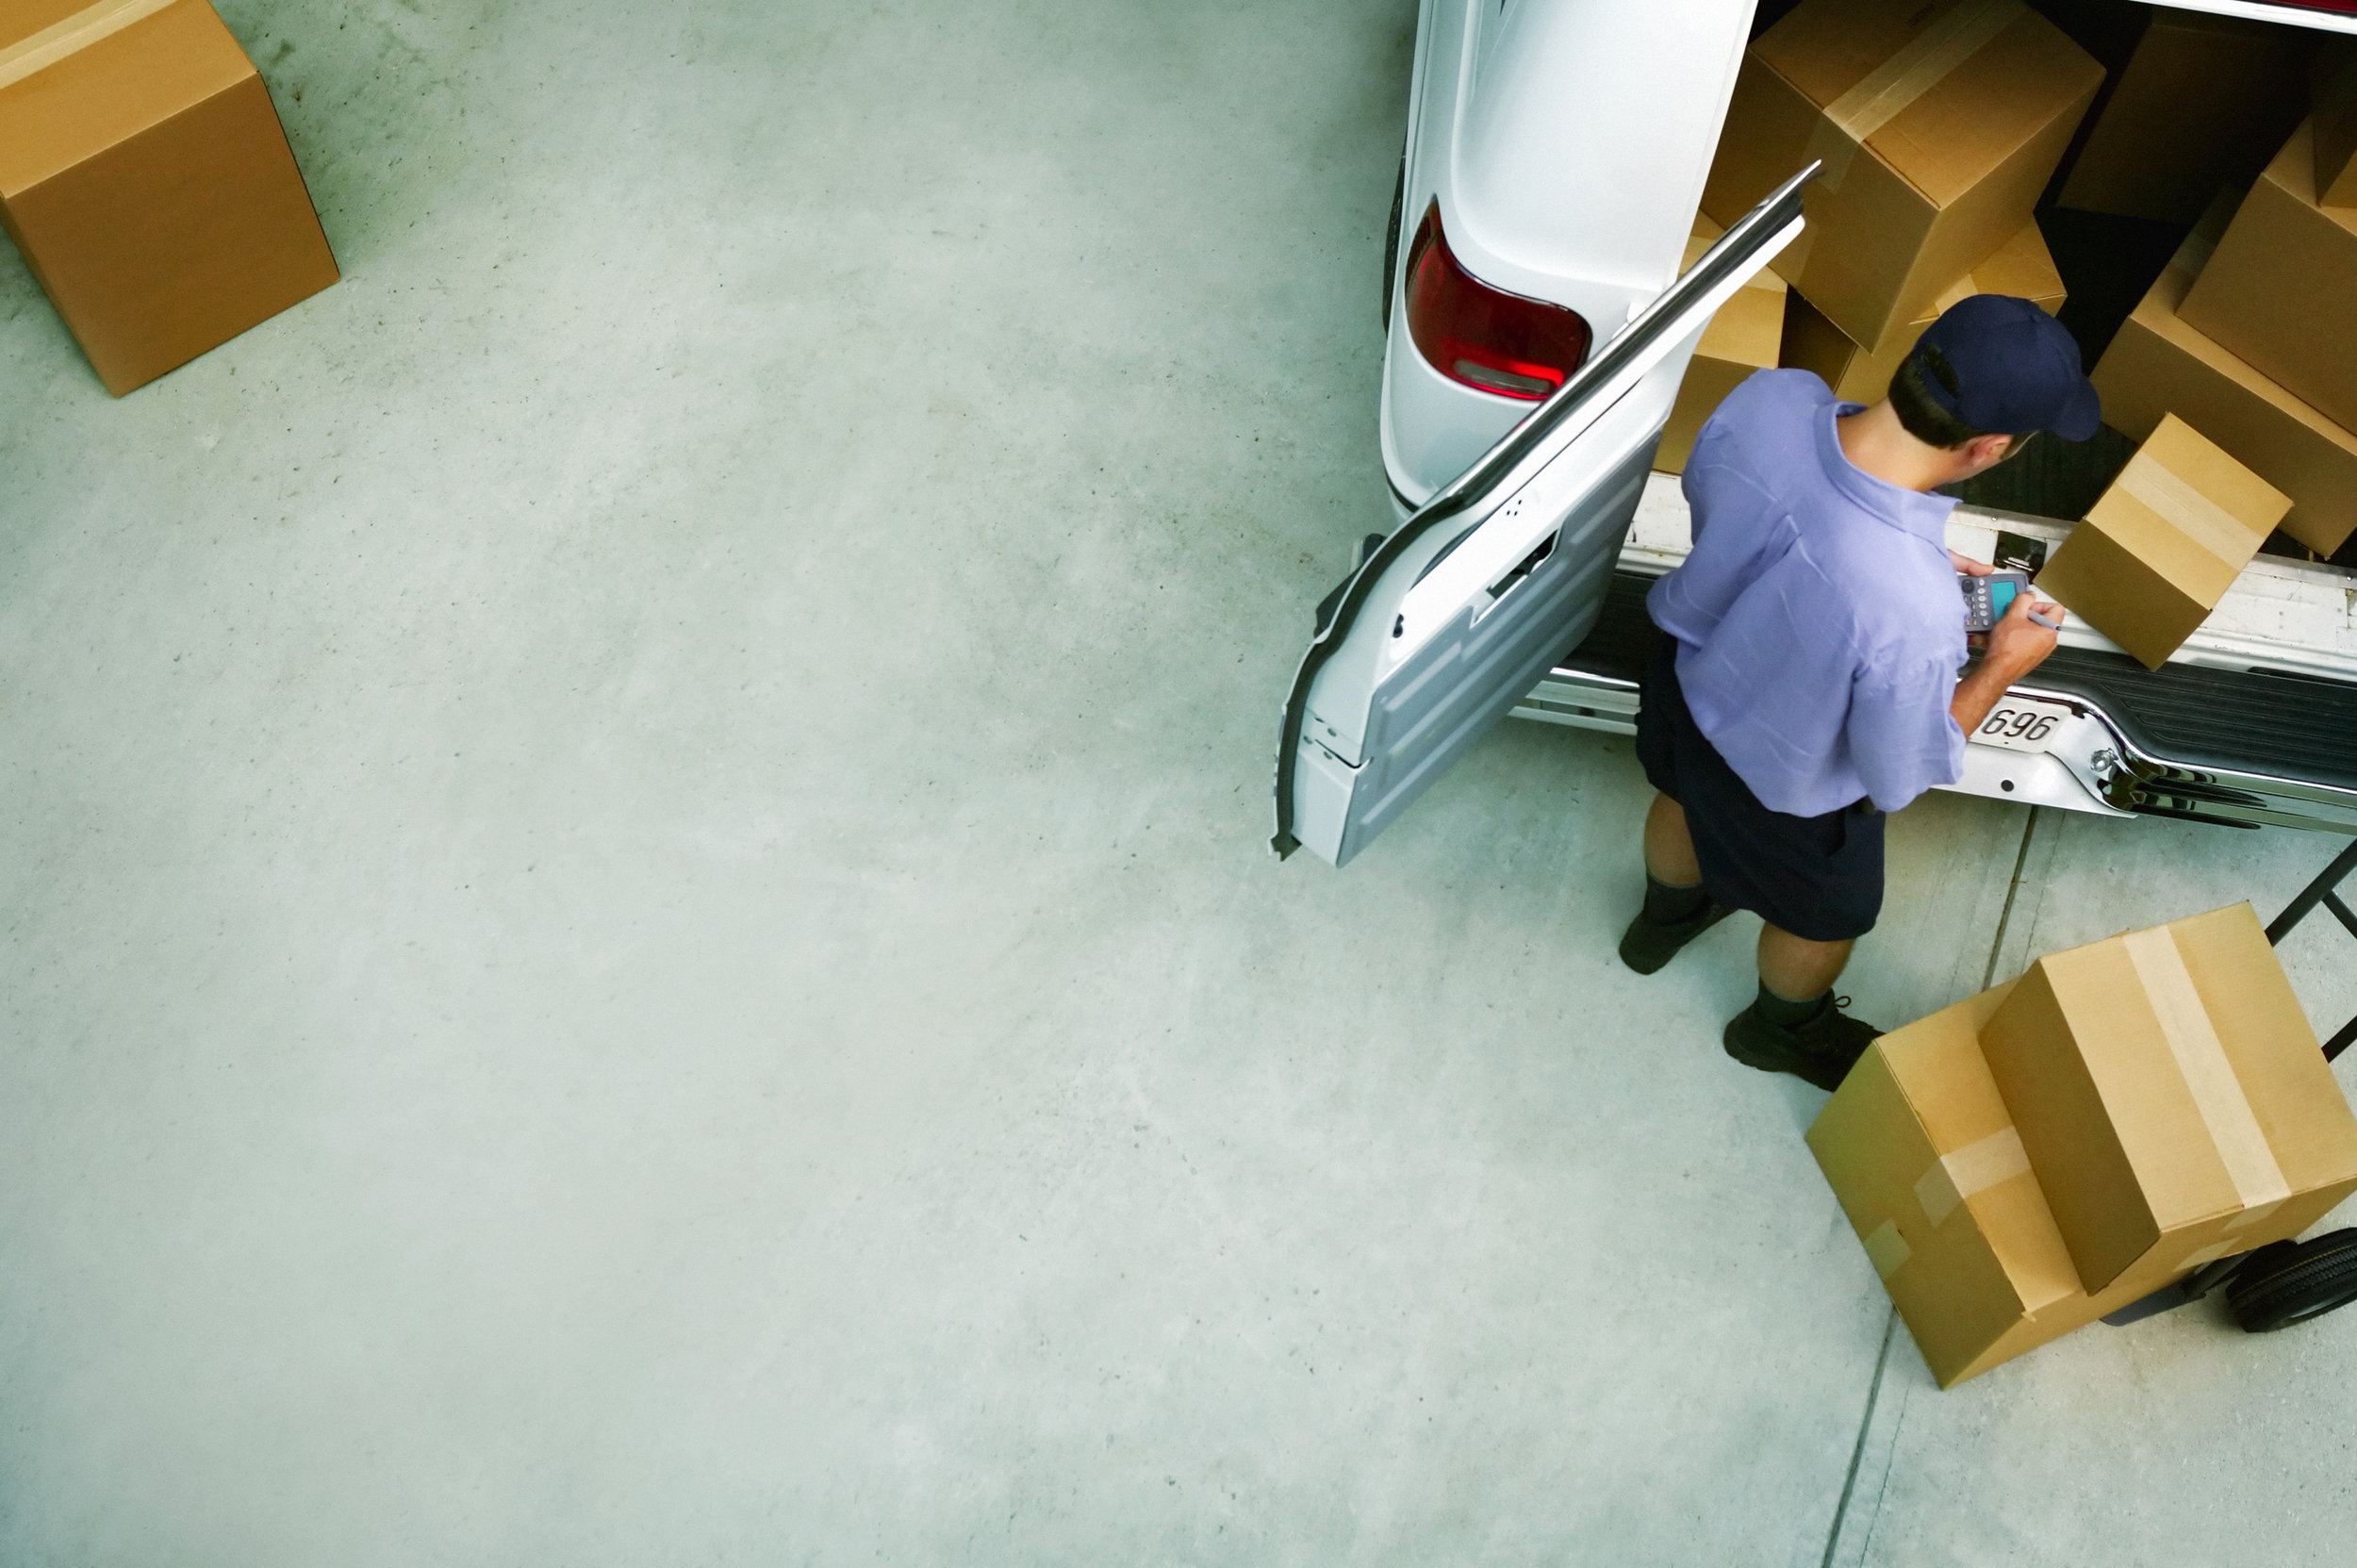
(1909,511)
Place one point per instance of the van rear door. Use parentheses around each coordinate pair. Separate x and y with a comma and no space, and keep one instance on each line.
(1457,614)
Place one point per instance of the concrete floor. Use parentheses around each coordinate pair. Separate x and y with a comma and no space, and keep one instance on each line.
(634,923)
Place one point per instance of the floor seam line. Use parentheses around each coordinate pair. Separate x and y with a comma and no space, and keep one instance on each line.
(2005,916)
(1857,1449)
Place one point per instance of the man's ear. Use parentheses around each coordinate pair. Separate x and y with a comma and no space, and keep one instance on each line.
(1987,452)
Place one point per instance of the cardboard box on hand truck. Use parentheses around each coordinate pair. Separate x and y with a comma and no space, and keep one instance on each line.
(2159,364)
(2023,267)
(2056,1148)
(1743,336)
(145,178)
(2162,546)
(1938,126)
(2278,290)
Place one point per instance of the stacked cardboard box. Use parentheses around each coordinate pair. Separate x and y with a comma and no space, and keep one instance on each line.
(1743,337)
(145,180)
(1937,125)
(2161,363)
(2203,101)
(2163,543)
(2049,1151)
(2278,290)
(2023,267)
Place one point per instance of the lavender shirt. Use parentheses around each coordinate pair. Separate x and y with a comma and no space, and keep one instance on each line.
(1819,626)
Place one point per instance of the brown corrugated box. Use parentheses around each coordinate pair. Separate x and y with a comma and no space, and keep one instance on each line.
(1742,337)
(2203,102)
(2158,365)
(1924,1153)
(2163,543)
(1938,126)
(2170,1095)
(145,180)
(2021,267)
(2280,291)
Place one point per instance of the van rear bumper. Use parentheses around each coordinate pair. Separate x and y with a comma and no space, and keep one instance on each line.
(2237,748)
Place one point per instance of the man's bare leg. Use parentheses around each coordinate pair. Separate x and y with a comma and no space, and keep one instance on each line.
(1797,969)
(1670,848)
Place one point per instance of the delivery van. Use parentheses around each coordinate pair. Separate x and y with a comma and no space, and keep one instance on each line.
(1537,329)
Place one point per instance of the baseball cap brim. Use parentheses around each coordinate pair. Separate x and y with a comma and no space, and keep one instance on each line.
(2082,415)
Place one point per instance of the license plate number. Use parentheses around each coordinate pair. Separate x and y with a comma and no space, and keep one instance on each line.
(2018,724)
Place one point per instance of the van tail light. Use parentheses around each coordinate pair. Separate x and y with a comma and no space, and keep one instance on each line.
(1484,336)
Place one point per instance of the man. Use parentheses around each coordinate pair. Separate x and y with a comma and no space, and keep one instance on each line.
(1808,682)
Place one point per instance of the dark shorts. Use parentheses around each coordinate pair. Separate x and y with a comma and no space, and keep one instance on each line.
(1818,877)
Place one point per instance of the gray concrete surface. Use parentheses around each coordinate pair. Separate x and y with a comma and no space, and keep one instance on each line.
(633,921)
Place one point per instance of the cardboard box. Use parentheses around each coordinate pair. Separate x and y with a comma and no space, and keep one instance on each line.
(2023,267)
(1743,336)
(145,180)
(2170,1095)
(1939,126)
(2162,546)
(2204,101)
(2158,365)
(1922,1150)
(2333,91)
(2280,288)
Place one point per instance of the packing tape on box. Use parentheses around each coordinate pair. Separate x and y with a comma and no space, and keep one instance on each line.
(1886,1249)
(79,31)
(1883,93)
(1976,1167)
(2187,509)
(2217,1094)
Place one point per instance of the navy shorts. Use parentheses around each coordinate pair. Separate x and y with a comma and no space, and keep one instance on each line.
(1818,877)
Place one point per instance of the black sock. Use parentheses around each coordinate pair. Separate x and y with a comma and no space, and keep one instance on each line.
(1788,1014)
(1671,906)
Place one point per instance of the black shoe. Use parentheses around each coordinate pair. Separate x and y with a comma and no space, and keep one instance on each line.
(1822,1050)
(1647,945)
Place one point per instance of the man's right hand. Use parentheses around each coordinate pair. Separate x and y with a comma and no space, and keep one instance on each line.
(2017,644)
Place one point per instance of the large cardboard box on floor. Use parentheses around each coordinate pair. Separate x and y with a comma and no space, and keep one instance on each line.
(145,178)
(1944,1188)
(2158,365)
(2023,267)
(2163,543)
(1743,336)
(2279,290)
(2204,101)
(1939,124)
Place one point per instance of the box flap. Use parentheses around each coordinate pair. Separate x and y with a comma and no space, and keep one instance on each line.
(103,75)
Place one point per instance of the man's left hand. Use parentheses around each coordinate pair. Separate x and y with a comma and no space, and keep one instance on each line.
(1969,567)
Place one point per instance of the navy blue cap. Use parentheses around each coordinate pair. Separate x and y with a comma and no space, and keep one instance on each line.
(2017,369)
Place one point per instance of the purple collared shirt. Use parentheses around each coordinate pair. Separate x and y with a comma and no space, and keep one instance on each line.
(1820,629)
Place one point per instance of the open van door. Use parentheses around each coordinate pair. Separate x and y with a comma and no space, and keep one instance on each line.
(1454,618)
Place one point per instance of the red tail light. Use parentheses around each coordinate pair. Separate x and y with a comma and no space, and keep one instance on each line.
(1484,336)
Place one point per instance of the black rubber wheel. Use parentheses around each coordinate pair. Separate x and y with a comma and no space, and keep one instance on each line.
(2288,1282)
(1391,242)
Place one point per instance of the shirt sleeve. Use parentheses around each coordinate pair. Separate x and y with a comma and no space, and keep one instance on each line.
(1903,739)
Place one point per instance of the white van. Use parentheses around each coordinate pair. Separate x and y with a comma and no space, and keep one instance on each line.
(1555,156)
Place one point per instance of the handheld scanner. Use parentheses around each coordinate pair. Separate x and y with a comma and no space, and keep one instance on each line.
(1988,599)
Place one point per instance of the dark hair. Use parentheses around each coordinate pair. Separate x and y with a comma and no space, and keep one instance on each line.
(1911,400)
